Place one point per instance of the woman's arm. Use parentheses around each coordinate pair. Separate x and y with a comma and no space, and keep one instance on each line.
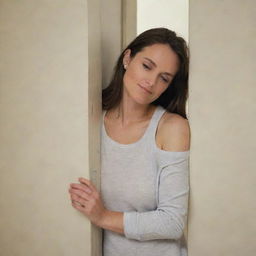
(169,219)
(112,221)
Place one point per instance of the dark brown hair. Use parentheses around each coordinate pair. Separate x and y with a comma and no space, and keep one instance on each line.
(175,96)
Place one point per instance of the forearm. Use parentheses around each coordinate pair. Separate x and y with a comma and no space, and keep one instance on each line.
(112,221)
(151,225)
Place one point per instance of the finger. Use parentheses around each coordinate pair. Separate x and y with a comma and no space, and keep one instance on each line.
(88,183)
(81,187)
(78,200)
(79,193)
(78,207)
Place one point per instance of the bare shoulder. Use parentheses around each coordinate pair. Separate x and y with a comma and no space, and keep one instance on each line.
(173,133)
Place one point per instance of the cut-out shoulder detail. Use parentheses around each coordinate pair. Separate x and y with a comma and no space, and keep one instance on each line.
(173,133)
(172,152)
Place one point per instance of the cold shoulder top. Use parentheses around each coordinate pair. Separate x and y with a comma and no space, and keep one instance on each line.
(150,186)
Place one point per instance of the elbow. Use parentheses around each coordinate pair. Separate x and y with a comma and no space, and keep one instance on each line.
(159,224)
(167,227)
(172,226)
(175,233)
(170,231)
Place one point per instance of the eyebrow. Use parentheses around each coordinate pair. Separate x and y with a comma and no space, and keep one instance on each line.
(154,64)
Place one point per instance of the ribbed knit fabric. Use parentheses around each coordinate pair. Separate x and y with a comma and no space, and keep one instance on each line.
(150,186)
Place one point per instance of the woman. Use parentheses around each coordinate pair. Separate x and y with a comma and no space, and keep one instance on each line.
(143,202)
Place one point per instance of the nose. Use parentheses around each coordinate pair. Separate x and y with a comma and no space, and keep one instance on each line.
(149,81)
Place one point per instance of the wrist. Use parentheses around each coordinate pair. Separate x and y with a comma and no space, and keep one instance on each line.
(103,219)
(111,220)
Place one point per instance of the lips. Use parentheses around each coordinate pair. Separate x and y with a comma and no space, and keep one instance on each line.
(143,88)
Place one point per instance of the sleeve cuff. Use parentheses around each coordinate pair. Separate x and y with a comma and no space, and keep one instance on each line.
(131,225)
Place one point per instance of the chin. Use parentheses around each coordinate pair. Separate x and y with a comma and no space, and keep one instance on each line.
(140,98)
(142,101)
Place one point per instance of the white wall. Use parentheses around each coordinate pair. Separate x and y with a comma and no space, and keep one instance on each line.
(172,14)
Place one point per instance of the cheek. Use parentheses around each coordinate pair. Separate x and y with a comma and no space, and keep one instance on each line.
(132,75)
(161,88)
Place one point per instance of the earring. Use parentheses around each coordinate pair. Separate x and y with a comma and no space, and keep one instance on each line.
(125,66)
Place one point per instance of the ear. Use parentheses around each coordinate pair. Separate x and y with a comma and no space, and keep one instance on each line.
(127,57)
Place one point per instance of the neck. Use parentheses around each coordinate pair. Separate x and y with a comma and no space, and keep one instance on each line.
(129,111)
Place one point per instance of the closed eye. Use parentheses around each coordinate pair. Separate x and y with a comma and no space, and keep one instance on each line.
(146,66)
(165,80)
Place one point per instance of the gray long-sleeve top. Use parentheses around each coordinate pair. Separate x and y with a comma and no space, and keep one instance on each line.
(151,187)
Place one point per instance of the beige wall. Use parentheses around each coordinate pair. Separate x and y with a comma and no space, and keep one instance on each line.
(222,115)
(110,36)
(44,115)
(129,21)
(94,83)
(118,29)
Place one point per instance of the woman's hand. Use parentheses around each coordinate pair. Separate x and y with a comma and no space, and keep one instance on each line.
(86,199)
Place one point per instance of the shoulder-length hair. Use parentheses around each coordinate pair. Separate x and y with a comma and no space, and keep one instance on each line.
(175,96)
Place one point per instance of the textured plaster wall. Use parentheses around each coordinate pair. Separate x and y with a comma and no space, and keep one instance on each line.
(44,126)
(222,112)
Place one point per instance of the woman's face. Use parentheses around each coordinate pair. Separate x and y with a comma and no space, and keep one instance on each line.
(149,72)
